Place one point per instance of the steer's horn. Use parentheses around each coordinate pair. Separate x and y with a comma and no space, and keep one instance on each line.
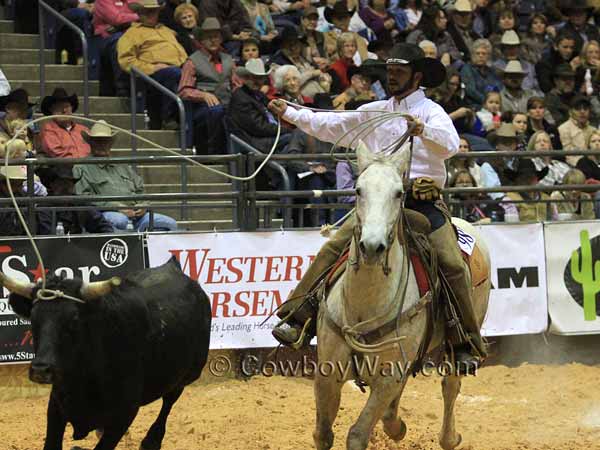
(90,291)
(17,287)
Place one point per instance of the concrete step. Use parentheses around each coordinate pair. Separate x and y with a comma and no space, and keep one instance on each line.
(7,26)
(13,40)
(71,86)
(169,139)
(118,120)
(202,211)
(54,72)
(24,56)
(99,105)
(2,13)
(191,187)
(171,174)
(203,225)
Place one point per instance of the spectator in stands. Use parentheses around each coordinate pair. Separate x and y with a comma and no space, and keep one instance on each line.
(62,137)
(490,113)
(377,17)
(537,121)
(472,207)
(563,52)
(560,97)
(16,106)
(264,27)
(10,225)
(287,81)
(207,79)
(359,92)
(345,179)
(590,61)
(461,28)
(519,120)
(578,13)
(450,96)
(526,175)
(588,164)
(493,169)
(249,50)
(248,113)
(506,21)
(575,132)
(115,179)
(111,19)
(511,48)
(186,18)
(347,46)
(413,10)
(537,39)
(340,17)
(79,12)
(514,97)
(540,141)
(152,48)
(167,13)
(17,149)
(466,164)
(232,16)
(61,182)
(478,77)
(483,22)
(433,27)
(580,205)
(315,40)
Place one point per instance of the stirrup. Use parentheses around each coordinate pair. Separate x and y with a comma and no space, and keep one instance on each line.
(300,342)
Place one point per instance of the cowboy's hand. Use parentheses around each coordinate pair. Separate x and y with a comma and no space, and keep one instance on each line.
(139,212)
(278,107)
(424,189)
(418,124)
(210,99)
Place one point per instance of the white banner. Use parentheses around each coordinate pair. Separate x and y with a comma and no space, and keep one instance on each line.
(518,302)
(573,254)
(247,275)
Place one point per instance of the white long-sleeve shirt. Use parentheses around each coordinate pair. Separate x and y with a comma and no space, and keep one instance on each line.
(438,142)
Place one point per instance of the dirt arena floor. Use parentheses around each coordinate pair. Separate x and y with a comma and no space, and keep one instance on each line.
(509,405)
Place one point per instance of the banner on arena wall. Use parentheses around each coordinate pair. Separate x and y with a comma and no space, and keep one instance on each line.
(91,258)
(518,300)
(573,260)
(247,275)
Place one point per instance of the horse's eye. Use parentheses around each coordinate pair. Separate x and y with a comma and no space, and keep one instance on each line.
(358,191)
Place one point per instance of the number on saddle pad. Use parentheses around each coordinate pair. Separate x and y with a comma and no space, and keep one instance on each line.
(466,242)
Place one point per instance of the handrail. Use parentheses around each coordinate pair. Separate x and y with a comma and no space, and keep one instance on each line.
(43,6)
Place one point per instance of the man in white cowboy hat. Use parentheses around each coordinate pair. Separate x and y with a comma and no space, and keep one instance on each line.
(62,137)
(115,179)
(205,86)
(153,48)
(248,113)
(460,27)
(514,97)
(435,140)
(511,51)
(9,222)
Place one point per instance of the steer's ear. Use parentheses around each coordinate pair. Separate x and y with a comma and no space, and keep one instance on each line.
(20,305)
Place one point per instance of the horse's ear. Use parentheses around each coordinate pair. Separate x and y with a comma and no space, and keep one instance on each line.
(400,160)
(364,156)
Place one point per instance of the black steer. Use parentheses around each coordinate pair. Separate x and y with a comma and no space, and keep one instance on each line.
(123,345)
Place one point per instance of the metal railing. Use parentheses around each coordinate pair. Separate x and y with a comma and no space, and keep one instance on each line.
(42,10)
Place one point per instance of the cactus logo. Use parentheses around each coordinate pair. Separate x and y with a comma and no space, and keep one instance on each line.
(582,275)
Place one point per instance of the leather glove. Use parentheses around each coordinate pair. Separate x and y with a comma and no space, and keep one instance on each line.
(424,189)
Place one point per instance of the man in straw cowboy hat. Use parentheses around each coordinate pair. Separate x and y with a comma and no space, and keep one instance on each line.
(511,51)
(115,179)
(61,137)
(153,48)
(205,86)
(435,140)
(460,27)
(514,97)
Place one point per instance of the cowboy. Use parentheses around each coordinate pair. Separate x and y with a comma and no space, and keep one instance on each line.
(60,182)
(461,29)
(492,170)
(206,84)
(514,97)
(339,16)
(61,136)
(511,48)
(15,106)
(435,139)
(526,174)
(152,48)
(578,12)
(115,179)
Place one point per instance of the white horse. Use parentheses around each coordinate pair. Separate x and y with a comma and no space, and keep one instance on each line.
(365,291)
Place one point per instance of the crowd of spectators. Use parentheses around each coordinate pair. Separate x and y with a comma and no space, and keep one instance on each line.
(521,75)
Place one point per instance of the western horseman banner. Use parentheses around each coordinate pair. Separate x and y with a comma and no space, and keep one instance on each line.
(573,260)
(91,258)
(248,275)
(518,301)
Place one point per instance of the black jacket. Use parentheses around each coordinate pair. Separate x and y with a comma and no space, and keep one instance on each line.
(463,48)
(11,226)
(92,221)
(545,68)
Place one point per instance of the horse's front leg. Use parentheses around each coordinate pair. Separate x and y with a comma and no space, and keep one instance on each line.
(449,438)
(393,425)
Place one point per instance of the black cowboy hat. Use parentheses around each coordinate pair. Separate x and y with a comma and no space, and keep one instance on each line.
(289,33)
(49,174)
(209,24)
(567,6)
(340,9)
(434,72)
(17,96)
(525,167)
(59,95)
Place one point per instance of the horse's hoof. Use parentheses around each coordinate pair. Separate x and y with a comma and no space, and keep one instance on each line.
(395,431)
(451,445)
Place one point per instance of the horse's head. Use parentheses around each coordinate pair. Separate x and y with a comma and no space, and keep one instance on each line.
(379,192)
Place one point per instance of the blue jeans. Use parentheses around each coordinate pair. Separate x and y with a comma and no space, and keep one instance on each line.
(169,78)
(204,125)
(160,223)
